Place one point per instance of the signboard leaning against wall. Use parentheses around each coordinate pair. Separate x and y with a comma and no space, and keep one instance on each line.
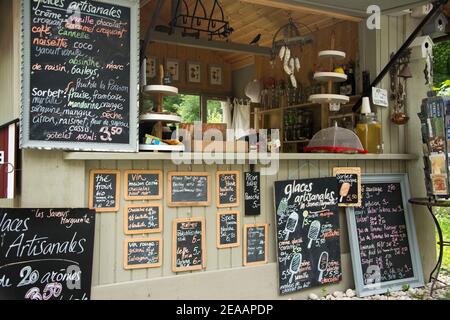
(46,254)
(80,75)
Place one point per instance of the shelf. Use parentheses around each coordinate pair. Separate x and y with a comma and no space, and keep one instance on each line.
(329,98)
(161,89)
(296,141)
(282,156)
(330,76)
(152,147)
(160,117)
(332,54)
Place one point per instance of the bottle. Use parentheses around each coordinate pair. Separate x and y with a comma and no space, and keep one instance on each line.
(368,129)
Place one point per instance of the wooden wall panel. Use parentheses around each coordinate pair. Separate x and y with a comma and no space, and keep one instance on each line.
(108,249)
(185,54)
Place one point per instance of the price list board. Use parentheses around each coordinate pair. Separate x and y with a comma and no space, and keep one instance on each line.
(80,75)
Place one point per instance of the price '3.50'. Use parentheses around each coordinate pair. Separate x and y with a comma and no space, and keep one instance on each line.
(108,133)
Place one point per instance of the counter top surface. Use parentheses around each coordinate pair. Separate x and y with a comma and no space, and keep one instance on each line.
(246,156)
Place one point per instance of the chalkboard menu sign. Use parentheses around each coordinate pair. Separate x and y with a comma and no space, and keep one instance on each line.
(80,75)
(228,229)
(143,184)
(252,194)
(307,225)
(227,188)
(189,250)
(255,244)
(189,189)
(104,190)
(382,237)
(142,253)
(143,218)
(46,254)
(349,186)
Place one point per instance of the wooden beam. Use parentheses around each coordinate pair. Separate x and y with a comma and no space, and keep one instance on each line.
(293,6)
(178,39)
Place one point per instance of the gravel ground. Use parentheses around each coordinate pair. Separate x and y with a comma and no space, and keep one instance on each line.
(410,294)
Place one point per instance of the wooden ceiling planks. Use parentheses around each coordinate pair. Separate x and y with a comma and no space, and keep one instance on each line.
(249,18)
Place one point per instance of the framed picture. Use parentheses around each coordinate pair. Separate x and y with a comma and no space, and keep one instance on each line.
(215,75)
(194,72)
(151,67)
(173,66)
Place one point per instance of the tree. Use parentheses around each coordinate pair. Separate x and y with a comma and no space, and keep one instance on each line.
(441,63)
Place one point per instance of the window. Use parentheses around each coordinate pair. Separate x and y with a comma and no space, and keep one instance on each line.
(214,112)
(185,105)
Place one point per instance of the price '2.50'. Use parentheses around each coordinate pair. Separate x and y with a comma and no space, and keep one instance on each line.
(107,133)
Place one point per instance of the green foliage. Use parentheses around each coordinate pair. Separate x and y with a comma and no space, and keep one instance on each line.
(214,112)
(441,63)
(443,215)
(186,106)
(444,89)
(405,287)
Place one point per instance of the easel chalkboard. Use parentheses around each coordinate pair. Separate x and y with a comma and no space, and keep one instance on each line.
(143,218)
(252,193)
(227,189)
(228,229)
(383,242)
(307,233)
(104,190)
(189,189)
(143,185)
(349,186)
(80,75)
(255,244)
(188,244)
(37,245)
(140,253)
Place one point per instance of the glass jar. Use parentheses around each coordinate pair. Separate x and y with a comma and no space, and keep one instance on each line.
(368,131)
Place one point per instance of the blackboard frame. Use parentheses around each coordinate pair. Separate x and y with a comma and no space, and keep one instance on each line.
(143,205)
(26,143)
(417,281)
(170,203)
(126,266)
(238,230)
(159,196)
(91,189)
(266,245)
(238,189)
(174,245)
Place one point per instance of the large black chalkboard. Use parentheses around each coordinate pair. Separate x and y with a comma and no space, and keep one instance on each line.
(252,194)
(80,76)
(227,188)
(143,184)
(145,218)
(142,253)
(255,244)
(46,254)
(189,244)
(104,190)
(383,242)
(228,225)
(188,189)
(307,225)
(382,234)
